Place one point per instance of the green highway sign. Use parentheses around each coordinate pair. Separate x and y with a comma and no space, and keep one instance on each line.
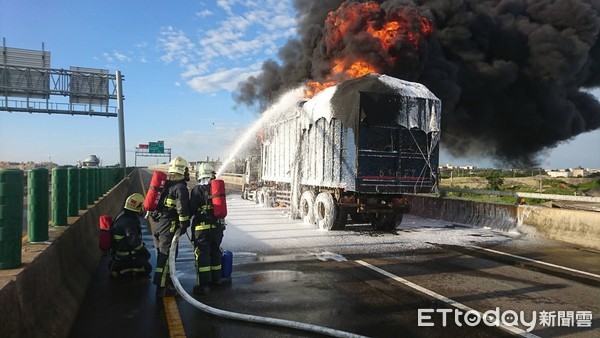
(156,147)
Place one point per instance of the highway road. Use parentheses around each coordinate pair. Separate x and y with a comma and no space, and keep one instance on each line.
(429,278)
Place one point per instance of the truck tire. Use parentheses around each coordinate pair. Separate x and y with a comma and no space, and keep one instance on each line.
(263,197)
(258,197)
(325,211)
(387,221)
(307,202)
(341,220)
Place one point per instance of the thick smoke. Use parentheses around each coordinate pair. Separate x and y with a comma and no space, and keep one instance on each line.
(510,73)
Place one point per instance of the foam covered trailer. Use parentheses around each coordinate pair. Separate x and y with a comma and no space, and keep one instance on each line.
(352,150)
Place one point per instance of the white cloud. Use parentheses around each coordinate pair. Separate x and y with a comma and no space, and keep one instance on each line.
(108,57)
(204,13)
(121,57)
(244,34)
(177,46)
(226,79)
(195,69)
(226,5)
(256,31)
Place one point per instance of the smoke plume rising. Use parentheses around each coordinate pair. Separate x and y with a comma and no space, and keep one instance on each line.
(510,73)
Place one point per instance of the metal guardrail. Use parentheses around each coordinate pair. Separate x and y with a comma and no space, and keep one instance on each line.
(234,179)
(554,197)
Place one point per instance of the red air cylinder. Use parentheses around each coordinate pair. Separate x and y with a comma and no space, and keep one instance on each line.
(157,186)
(217,190)
(106,222)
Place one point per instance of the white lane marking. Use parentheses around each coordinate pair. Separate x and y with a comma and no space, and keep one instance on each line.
(535,261)
(511,329)
(326,255)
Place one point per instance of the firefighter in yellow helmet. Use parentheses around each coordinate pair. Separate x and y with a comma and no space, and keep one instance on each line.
(207,232)
(128,252)
(173,212)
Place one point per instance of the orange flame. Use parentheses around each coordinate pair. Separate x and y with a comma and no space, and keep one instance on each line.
(313,87)
(340,70)
(351,19)
(387,35)
(354,70)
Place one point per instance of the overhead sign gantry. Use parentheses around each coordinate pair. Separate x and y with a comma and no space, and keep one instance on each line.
(27,83)
(152,149)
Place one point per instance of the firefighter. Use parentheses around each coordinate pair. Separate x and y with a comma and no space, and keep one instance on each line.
(172,213)
(129,254)
(207,232)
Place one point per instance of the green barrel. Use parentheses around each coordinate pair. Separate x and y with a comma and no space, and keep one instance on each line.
(11,217)
(73,191)
(90,191)
(37,205)
(83,189)
(96,175)
(102,182)
(59,196)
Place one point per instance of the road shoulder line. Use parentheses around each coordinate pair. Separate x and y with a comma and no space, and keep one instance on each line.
(534,261)
(511,329)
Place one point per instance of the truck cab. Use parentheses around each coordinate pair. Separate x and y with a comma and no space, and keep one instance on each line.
(252,174)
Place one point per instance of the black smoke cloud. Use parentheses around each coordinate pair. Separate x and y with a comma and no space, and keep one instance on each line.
(510,73)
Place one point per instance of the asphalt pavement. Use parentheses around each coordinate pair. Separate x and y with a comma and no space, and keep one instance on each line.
(359,281)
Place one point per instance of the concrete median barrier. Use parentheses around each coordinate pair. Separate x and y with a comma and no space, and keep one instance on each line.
(573,226)
(475,213)
(577,227)
(42,296)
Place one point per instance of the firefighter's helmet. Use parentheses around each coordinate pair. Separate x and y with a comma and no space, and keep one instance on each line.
(205,170)
(134,202)
(178,166)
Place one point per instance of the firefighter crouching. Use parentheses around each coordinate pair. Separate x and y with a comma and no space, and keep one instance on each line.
(172,212)
(207,232)
(129,254)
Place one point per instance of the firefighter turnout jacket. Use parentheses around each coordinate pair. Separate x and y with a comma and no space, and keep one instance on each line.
(128,252)
(207,235)
(173,212)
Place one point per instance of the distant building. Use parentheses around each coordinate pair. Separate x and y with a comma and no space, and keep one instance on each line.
(580,172)
(91,161)
(560,173)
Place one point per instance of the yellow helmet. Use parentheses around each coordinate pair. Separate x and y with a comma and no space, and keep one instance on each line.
(178,166)
(205,170)
(134,202)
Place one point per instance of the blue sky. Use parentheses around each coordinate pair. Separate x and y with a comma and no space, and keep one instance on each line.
(181,61)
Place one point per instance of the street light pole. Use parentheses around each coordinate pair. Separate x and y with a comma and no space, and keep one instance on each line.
(119,85)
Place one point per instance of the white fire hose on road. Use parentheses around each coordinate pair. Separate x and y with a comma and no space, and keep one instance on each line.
(241,316)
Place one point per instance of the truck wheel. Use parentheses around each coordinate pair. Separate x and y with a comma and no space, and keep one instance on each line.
(258,196)
(263,197)
(387,221)
(325,211)
(341,220)
(307,201)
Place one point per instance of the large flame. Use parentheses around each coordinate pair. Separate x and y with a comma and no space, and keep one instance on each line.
(385,31)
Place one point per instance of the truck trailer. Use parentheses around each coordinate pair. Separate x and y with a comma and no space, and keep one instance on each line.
(351,151)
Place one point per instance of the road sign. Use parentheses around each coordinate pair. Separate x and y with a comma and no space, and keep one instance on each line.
(156,147)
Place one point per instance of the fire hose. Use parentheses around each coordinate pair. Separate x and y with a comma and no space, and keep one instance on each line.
(241,316)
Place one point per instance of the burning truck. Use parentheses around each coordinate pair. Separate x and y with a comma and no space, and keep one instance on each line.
(350,152)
